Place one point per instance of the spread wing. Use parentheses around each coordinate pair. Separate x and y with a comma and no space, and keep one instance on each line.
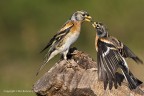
(111,55)
(127,53)
(57,37)
(108,59)
(123,49)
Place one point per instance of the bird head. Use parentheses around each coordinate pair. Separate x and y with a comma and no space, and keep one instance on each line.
(100,29)
(81,16)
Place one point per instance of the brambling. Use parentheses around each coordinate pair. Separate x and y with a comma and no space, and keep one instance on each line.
(66,36)
(111,54)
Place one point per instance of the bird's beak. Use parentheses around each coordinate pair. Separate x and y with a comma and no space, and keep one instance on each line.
(94,24)
(88,18)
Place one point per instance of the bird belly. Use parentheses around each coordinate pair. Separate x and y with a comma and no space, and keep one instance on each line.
(69,40)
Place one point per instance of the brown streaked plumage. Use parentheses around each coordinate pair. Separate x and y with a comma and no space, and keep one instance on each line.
(111,54)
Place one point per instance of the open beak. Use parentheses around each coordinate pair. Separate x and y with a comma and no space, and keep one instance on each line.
(94,24)
(88,18)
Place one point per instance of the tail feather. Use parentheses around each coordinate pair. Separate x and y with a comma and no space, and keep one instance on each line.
(132,81)
(42,66)
(132,84)
(137,81)
(47,57)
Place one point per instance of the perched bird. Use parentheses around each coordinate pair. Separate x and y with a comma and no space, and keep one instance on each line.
(111,54)
(66,36)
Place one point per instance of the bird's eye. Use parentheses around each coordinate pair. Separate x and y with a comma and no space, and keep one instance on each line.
(98,27)
(83,14)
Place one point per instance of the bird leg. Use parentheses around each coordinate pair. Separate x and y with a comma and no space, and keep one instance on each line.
(65,58)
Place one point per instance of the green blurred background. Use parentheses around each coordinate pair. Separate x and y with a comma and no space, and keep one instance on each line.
(26,26)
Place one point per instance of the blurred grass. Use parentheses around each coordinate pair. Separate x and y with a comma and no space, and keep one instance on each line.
(27,25)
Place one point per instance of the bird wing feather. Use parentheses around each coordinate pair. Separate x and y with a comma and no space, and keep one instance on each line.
(108,62)
(126,52)
(123,49)
(112,60)
(60,34)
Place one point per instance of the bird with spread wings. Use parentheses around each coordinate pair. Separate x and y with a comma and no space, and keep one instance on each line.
(111,54)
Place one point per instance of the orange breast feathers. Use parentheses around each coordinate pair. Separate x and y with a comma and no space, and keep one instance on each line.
(96,41)
(76,27)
